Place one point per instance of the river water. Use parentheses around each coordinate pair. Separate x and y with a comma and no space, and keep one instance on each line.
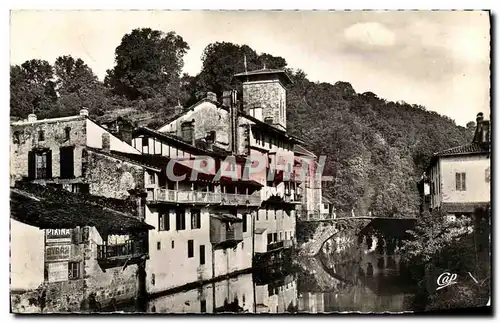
(372,283)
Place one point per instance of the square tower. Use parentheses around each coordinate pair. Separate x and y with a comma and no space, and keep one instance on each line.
(264,95)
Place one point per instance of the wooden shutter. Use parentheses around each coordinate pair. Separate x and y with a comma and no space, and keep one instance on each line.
(457,180)
(463,182)
(49,164)
(31,165)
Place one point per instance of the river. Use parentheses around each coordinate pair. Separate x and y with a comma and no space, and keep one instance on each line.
(373,283)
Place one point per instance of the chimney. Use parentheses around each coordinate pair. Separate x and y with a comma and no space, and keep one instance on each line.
(187,132)
(178,109)
(105,142)
(211,96)
(32,117)
(226,99)
(84,112)
(233,121)
(482,134)
(479,118)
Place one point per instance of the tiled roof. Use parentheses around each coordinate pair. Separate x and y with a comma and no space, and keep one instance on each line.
(474,148)
(60,209)
(137,159)
(265,72)
(303,151)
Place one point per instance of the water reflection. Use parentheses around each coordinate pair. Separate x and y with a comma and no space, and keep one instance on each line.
(321,286)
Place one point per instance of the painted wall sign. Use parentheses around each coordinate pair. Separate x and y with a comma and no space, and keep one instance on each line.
(57,271)
(57,253)
(58,235)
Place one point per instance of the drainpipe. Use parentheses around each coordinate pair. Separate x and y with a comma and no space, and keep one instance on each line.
(253,256)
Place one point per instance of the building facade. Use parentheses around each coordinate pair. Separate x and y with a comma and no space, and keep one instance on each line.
(459,178)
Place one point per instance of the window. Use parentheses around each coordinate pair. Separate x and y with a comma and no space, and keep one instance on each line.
(281,236)
(190,248)
(257,215)
(195,219)
(267,213)
(158,245)
(286,237)
(202,254)
(203,306)
(460,181)
(67,133)
(145,141)
(244,222)
(269,238)
(73,270)
(17,137)
(80,188)
(164,221)
(180,220)
(275,236)
(173,245)
(41,135)
(151,177)
(40,164)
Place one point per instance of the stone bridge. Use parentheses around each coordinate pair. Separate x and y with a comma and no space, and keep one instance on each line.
(313,234)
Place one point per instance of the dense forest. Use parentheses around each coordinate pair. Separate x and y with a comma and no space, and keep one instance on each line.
(376,149)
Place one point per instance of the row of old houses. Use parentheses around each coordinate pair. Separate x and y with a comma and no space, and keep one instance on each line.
(102,212)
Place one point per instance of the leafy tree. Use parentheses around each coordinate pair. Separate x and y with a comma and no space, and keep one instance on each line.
(32,88)
(222,60)
(148,64)
(78,86)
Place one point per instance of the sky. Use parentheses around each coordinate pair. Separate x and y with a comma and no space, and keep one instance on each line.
(438,59)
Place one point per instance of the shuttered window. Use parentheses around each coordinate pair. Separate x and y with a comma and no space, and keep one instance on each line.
(460,181)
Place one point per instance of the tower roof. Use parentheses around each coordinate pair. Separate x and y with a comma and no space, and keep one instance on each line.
(282,75)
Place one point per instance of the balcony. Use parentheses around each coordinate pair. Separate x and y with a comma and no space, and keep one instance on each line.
(199,197)
(224,236)
(118,254)
(275,246)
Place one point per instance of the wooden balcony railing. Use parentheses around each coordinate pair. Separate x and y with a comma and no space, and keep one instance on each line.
(275,245)
(166,195)
(131,248)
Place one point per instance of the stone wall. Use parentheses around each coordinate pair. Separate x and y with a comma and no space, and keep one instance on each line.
(112,177)
(269,95)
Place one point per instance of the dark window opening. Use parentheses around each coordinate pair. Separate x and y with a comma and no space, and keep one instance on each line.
(269,238)
(202,254)
(41,135)
(67,133)
(66,162)
(244,222)
(275,237)
(190,248)
(173,245)
(158,245)
(17,137)
(203,306)
(145,141)
(73,270)
(195,219)
(180,220)
(164,221)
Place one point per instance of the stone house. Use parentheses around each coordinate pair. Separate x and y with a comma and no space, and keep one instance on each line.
(70,264)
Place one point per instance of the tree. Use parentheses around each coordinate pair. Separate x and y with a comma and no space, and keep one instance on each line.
(222,60)
(148,64)
(32,88)
(78,86)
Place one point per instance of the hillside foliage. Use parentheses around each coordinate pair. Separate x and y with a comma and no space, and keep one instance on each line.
(376,150)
